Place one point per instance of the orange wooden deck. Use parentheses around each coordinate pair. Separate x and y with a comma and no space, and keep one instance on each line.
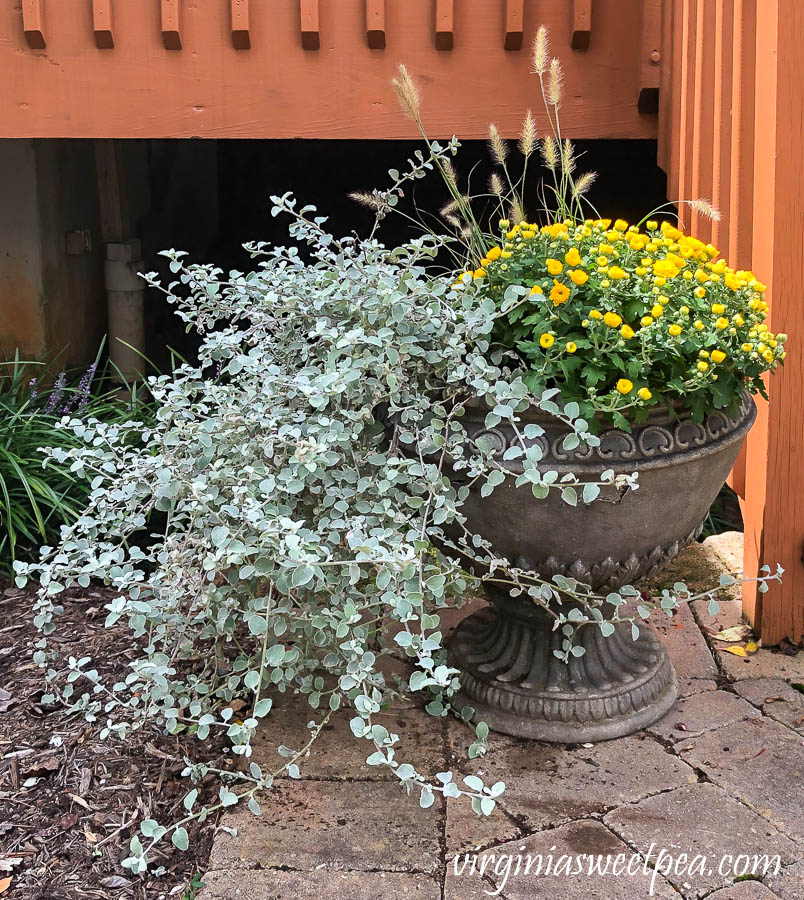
(315,68)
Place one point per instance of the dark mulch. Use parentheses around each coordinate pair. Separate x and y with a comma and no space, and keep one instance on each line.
(69,803)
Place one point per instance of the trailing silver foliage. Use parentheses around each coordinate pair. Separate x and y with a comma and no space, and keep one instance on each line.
(285,532)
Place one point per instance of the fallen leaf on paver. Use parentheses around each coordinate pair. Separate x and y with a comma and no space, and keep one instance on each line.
(748,650)
(5,884)
(734,634)
(775,700)
(680,726)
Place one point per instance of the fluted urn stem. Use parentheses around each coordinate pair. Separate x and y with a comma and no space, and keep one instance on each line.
(517,685)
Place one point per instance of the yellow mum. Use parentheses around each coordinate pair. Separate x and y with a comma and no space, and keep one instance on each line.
(703,366)
(536,289)
(554,267)
(616,273)
(572,257)
(612,320)
(722,323)
(675,330)
(657,310)
(718,356)
(559,293)
(595,314)
(644,394)
(578,276)
(627,332)
(494,253)
(718,309)
(664,268)
(624,386)
(571,347)
(645,321)
(547,341)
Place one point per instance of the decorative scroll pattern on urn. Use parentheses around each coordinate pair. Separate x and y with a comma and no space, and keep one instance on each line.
(656,438)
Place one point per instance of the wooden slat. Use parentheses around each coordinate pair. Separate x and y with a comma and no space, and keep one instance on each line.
(665,86)
(171,24)
(514,24)
(444,24)
(241,31)
(703,119)
(581,24)
(677,89)
(721,114)
(778,248)
(686,110)
(33,23)
(741,175)
(650,56)
(102,24)
(310,34)
(375,24)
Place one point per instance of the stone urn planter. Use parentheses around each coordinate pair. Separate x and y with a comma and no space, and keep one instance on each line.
(509,672)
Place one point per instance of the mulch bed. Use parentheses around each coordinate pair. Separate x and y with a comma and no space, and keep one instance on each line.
(69,803)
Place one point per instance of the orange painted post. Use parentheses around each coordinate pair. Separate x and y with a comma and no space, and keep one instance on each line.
(651,37)
(310,35)
(171,24)
(241,31)
(444,24)
(375,24)
(581,28)
(33,23)
(102,24)
(775,489)
(514,24)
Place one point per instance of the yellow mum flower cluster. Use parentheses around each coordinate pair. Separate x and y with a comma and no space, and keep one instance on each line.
(618,314)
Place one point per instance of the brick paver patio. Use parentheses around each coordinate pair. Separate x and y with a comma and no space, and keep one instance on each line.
(723,773)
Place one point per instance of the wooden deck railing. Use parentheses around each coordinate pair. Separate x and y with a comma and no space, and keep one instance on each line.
(318,68)
(731,128)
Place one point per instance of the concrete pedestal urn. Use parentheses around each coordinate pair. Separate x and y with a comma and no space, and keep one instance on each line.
(509,672)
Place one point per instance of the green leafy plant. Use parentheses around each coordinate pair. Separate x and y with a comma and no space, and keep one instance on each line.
(193,887)
(300,472)
(37,493)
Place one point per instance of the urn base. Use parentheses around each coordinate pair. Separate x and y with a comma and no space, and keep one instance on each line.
(517,686)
